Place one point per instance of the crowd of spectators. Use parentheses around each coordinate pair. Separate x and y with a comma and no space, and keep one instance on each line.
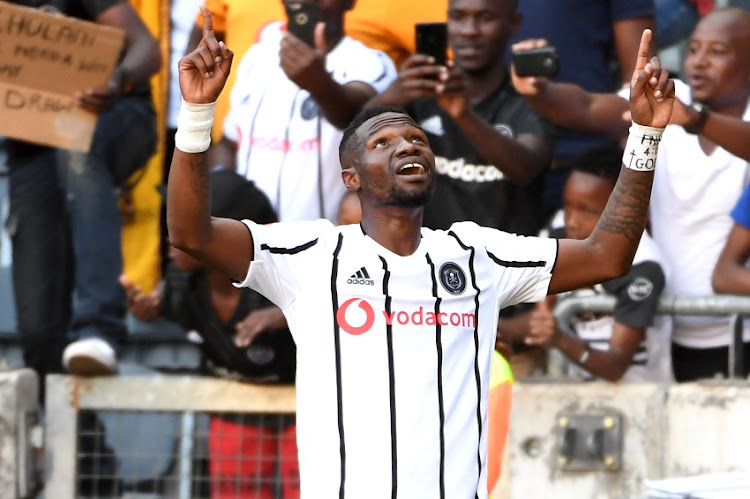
(527,155)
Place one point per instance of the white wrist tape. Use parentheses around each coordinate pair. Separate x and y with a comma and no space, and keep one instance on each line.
(194,127)
(641,148)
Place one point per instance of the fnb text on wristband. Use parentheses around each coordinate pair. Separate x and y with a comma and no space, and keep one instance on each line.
(642,147)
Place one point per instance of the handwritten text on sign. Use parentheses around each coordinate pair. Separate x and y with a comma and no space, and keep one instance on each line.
(44,59)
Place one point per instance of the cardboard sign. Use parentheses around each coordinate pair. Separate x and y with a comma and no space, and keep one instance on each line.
(44,59)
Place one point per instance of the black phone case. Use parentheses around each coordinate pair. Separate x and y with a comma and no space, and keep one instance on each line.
(301,20)
(542,61)
(432,40)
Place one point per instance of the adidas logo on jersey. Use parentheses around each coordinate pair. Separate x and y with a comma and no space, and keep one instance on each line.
(361,277)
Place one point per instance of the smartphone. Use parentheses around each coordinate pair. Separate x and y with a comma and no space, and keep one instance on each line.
(432,40)
(543,61)
(301,20)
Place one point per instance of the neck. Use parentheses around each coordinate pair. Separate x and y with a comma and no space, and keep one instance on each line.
(396,229)
(481,84)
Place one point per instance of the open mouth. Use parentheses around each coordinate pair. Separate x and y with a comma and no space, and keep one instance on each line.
(411,169)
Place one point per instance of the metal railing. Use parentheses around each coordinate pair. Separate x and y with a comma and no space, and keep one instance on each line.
(733,306)
(68,396)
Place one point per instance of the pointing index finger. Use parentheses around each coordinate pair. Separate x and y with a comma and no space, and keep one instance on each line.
(643,53)
(208,22)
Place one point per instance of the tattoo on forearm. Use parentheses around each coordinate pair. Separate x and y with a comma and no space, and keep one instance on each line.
(628,206)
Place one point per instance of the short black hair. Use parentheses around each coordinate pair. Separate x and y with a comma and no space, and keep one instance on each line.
(603,162)
(348,141)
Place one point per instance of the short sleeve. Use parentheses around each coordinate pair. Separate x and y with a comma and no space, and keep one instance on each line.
(741,211)
(277,268)
(520,266)
(637,294)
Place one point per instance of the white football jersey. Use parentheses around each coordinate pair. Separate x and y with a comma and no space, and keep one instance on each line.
(393,352)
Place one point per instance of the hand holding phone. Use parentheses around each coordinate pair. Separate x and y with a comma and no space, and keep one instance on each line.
(301,20)
(432,40)
(542,61)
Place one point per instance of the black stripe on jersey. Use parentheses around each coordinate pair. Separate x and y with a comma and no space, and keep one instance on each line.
(557,253)
(337,344)
(477,375)
(506,263)
(391,380)
(441,404)
(289,251)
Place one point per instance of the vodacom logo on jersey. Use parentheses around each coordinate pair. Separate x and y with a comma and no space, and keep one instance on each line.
(360,321)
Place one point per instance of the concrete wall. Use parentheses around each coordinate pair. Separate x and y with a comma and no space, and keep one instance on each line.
(18,413)
(666,430)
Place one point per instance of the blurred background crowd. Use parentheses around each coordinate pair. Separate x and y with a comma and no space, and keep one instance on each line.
(533,150)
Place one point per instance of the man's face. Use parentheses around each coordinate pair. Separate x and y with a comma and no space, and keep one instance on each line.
(478,32)
(396,166)
(584,200)
(717,66)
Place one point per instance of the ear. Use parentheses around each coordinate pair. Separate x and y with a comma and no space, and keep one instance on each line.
(351,180)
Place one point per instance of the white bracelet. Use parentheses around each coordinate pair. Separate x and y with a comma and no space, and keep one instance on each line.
(194,127)
(641,148)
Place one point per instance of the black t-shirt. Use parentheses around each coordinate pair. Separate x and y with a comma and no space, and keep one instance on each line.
(468,187)
(270,358)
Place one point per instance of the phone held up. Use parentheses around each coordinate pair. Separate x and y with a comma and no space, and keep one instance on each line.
(301,20)
(432,40)
(543,61)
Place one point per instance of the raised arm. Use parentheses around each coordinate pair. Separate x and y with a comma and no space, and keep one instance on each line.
(571,106)
(729,132)
(223,244)
(608,252)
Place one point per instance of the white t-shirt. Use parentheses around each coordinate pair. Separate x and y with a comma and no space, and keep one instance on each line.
(393,352)
(182,14)
(692,197)
(285,145)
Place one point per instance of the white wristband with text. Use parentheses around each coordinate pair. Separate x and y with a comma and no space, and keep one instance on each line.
(641,148)
(194,127)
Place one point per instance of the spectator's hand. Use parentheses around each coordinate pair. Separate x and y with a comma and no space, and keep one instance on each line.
(256,322)
(451,92)
(100,100)
(204,71)
(681,114)
(305,65)
(504,347)
(529,86)
(651,89)
(143,306)
(418,77)
(542,327)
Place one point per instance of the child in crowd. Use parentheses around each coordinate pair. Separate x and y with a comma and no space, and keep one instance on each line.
(633,343)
